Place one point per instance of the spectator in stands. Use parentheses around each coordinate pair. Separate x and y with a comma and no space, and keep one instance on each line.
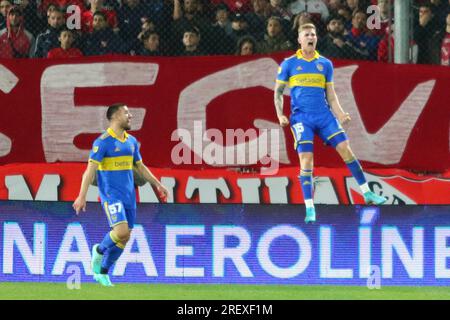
(384,8)
(246,46)
(221,29)
(5,5)
(15,40)
(355,5)
(279,8)
(161,13)
(360,38)
(257,18)
(445,46)
(112,5)
(33,22)
(426,35)
(439,9)
(205,9)
(188,13)
(334,44)
(149,45)
(62,5)
(87,16)
(186,17)
(235,6)
(387,45)
(66,39)
(51,7)
(131,16)
(334,6)
(346,13)
(49,38)
(275,40)
(102,40)
(240,28)
(134,46)
(147,25)
(316,8)
(191,43)
(222,19)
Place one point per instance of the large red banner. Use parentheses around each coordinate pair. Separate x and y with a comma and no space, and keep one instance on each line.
(53,110)
(61,182)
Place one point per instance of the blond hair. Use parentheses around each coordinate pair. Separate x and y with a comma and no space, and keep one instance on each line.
(306,26)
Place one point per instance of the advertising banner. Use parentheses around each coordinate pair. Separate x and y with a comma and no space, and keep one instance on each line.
(61,182)
(252,244)
(218,112)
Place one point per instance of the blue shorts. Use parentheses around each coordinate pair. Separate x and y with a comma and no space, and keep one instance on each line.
(305,125)
(117,213)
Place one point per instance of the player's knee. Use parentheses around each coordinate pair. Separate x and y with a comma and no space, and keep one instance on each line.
(124,237)
(344,150)
(122,233)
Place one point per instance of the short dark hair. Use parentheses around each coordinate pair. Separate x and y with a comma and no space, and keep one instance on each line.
(241,41)
(358,11)
(55,9)
(100,13)
(65,29)
(335,17)
(426,4)
(274,18)
(192,30)
(15,10)
(113,109)
(147,34)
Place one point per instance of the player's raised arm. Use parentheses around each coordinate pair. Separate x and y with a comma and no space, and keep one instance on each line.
(278,101)
(88,177)
(333,101)
(150,177)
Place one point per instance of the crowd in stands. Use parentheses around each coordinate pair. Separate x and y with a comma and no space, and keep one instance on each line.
(74,28)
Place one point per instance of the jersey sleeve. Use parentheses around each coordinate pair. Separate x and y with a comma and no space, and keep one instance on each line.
(137,154)
(283,73)
(330,71)
(98,151)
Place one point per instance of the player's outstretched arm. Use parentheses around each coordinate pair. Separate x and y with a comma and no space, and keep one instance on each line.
(278,101)
(149,176)
(88,177)
(333,101)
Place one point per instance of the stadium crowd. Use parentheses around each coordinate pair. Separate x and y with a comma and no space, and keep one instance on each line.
(52,29)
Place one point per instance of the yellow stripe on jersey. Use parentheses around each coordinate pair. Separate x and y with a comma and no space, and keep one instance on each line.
(116,163)
(307,80)
(114,135)
(335,134)
(113,237)
(120,245)
(107,213)
(295,139)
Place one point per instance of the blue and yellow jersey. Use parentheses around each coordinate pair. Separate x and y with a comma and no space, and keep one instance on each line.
(115,159)
(307,79)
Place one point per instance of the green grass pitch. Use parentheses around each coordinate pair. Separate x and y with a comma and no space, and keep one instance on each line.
(90,291)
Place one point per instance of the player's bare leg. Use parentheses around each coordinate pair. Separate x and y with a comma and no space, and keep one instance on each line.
(306,182)
(119,236)
(355,168)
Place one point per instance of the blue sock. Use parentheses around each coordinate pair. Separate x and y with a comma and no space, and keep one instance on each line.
(306,183)
(356,170)
(111,256)
(108,242)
